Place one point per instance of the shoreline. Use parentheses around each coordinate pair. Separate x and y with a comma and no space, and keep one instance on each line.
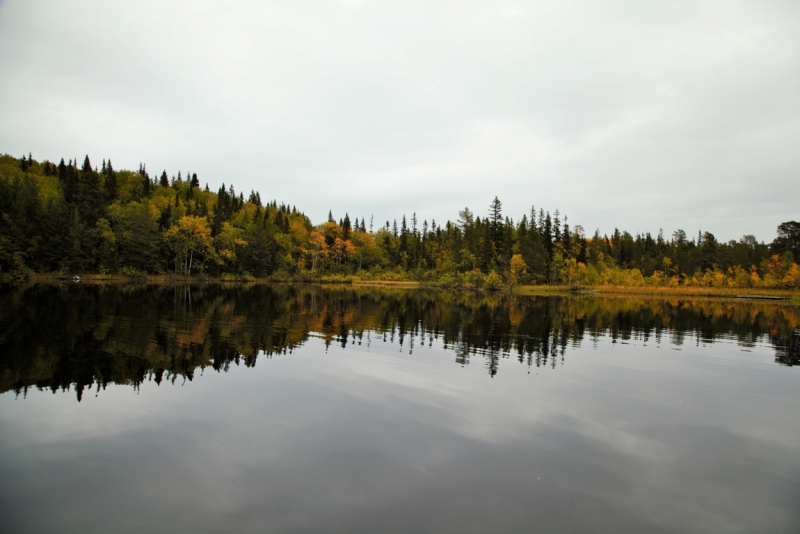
(775,295)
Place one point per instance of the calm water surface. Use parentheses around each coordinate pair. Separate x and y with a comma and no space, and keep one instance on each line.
(303,409)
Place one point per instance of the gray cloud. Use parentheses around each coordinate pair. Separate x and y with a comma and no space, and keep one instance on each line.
(628,114)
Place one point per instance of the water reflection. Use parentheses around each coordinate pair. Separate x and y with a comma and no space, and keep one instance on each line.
(557,414)
(63,336)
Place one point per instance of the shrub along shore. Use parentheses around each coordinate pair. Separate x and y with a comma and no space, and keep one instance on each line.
(788,296)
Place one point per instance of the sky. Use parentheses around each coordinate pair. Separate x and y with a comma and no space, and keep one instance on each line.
(637,115)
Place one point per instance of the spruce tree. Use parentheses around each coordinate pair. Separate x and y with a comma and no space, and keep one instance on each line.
(88,196)
(547,234)
(556,227)
(403,235)
(346,228)
(69,181)
(147,185)
(495,214)
(110,181)
(540,224)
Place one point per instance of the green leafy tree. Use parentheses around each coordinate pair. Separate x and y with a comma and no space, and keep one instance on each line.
(788,239)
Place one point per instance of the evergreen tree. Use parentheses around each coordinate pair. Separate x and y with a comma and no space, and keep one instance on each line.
(494,233)
(556,227)
(69,183)
(147,186)
(547,234)
(111,188)
(54,235)
(566,239)
(495,214)
(88,196)
(346,228)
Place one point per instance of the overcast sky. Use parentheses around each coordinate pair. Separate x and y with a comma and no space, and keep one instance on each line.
(640,115)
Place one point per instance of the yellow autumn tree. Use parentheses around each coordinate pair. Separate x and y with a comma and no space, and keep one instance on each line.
(191,235)
(318,247)
(516,270)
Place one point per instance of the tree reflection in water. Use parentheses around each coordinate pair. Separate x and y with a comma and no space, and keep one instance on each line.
(87,336)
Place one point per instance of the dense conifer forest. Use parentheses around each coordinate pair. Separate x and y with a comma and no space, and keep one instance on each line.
(76,217)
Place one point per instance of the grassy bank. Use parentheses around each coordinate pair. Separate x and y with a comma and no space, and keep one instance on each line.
(793,296)
(698,291)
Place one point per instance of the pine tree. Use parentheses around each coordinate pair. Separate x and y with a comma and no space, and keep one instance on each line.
(403,235)
(346,228)
(495,214)
(88,196)
(556,227)
(110,181)
(147,186)
(547,234)
(68,175)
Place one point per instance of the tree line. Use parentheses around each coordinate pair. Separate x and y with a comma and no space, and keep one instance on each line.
(80,218)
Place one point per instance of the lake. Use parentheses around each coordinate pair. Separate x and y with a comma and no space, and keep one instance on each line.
(134,408)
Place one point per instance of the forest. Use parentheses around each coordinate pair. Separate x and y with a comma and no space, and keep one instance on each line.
(70,218)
